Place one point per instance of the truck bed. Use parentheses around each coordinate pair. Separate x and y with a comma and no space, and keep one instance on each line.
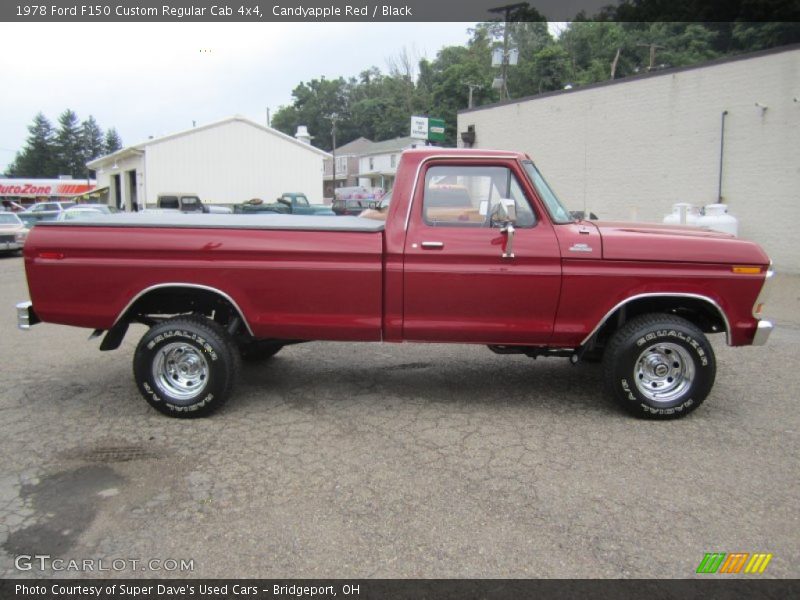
(293,277)
(232,221)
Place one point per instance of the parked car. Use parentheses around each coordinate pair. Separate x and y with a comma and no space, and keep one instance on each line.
(40,207)
(11,226)
(79,213)
(379,211)
(29,219)
(352,206)
(218,210)
(11,206)
(354,200)
(103,208)
(47,211)
(290,203)
(187,203)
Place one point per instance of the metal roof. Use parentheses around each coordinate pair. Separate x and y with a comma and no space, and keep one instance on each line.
(138,149)
(357,147)
(395,145)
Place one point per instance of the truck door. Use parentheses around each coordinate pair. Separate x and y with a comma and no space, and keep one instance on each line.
(461,283)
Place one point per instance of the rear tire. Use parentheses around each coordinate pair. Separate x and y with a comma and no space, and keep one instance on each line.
(659,366)
(186,367)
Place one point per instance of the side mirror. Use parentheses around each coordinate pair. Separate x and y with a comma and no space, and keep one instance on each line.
(504,212)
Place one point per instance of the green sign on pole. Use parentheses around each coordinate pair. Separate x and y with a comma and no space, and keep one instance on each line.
(436,130)
(427,128)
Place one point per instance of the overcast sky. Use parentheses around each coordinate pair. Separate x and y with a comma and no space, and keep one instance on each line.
(152,79)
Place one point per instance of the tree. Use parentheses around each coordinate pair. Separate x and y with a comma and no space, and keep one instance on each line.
(444,82)
(618,43)
(749,37)
(112,142)
(92,144)
(314,104)
(68,155)
(37,158)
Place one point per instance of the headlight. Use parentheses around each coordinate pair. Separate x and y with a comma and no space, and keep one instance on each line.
(20,236)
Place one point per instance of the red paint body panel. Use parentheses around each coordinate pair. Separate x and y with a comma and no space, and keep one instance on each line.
(358,285)
(590,289)
(673,243)
(289,284)
(466,291)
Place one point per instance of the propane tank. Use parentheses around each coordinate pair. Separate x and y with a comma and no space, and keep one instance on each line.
(716,217)
(682,213)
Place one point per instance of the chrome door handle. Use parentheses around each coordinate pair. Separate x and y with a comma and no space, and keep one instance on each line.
(432,245)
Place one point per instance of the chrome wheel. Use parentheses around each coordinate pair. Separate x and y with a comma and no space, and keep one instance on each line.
(663,372)
(180,371)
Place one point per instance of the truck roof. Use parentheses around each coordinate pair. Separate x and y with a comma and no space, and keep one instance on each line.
(426,151)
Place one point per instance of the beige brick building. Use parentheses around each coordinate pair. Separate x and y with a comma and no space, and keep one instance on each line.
(631,148)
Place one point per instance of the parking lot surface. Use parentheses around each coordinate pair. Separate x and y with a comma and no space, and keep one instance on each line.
(378,460)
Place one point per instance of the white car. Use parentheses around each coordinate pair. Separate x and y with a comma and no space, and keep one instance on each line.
(12,232)
(79,213)
(40,207)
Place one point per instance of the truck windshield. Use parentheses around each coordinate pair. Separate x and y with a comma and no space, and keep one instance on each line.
(558,213)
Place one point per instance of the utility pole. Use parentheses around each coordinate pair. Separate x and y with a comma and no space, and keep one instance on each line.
(334,116)
(506,10)
(652,53)
(472,86)
(614,64)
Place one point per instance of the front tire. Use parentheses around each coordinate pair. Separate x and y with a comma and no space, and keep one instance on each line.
(186,367)
(659,366)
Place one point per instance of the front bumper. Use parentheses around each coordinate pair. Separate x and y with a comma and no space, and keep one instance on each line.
(763,330)
(26,316)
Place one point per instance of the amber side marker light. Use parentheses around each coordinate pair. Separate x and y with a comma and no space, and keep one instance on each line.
(743,270)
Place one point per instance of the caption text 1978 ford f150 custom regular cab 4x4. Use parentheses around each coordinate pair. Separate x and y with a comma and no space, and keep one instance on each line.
(474,247)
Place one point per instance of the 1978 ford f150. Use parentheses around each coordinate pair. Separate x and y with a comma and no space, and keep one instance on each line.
(475,248)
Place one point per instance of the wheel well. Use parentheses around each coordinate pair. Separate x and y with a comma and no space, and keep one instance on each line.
(163,302)
(701,312)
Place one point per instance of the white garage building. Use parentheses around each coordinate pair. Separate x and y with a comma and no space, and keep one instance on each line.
(226,162)
(631,148)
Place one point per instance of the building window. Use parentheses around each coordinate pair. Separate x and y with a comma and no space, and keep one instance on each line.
(341,164)
(393,160)
(371,164)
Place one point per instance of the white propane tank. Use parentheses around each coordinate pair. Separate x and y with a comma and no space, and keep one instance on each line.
(682,213)
(718,219)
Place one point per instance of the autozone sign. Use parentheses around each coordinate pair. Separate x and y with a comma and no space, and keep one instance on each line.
(44,187)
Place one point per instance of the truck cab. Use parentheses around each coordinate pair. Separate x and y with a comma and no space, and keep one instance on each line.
(184,202)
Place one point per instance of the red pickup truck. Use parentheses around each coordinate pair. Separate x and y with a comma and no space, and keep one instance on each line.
(474,247)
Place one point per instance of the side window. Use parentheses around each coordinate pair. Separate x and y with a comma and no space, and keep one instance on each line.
(465,196)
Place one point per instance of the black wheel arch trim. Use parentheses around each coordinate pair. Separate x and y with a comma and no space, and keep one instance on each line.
(710,301)
(116,333)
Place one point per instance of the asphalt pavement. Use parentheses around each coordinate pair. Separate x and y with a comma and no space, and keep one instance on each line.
(391,461)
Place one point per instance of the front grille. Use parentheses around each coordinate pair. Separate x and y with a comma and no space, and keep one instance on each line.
(6,238)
